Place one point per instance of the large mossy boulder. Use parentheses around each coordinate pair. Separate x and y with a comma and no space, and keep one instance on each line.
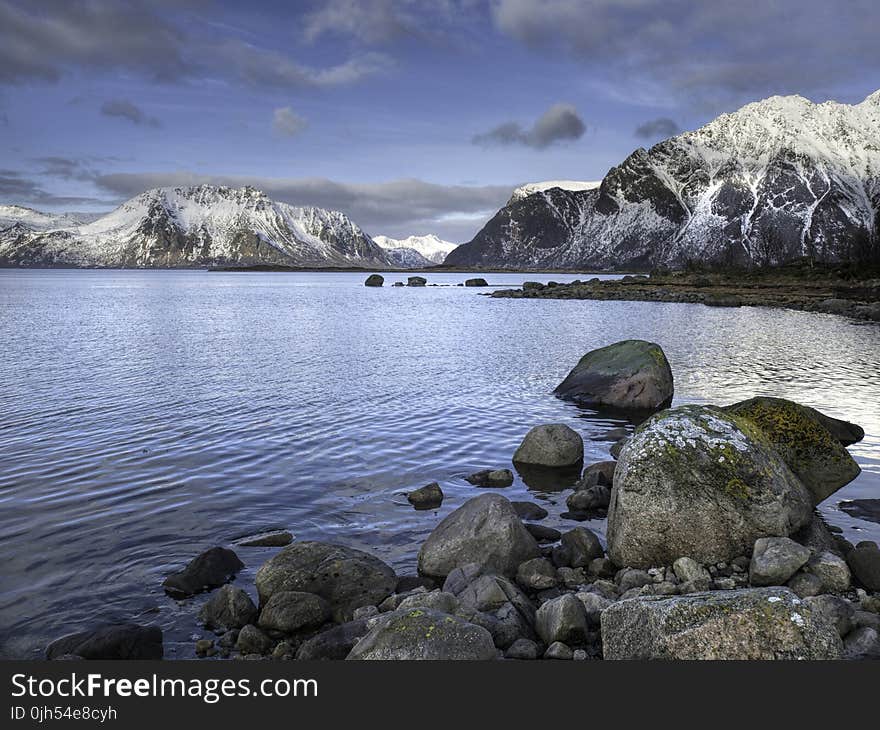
(800,437)
(552,445)
(486,531)
(374,280)
(696,481)
(756,623)
(344,577)
(632,374)
(424,634)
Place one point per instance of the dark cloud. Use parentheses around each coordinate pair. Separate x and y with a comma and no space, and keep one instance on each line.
(18,189)
(560,123)
(124,109)
(65,168)
(708,51)
(657,128)
(398,207)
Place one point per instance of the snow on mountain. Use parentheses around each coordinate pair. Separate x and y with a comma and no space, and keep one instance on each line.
(539,187)
(776,180)
(11,215)
(408,258)
(434,249)
(198,226)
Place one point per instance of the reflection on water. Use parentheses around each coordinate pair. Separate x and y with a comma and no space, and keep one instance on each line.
(146,416)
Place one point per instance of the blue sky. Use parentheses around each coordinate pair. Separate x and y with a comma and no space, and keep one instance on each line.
(413,116)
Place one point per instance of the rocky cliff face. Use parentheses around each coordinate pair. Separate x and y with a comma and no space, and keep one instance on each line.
(777,180)
(193,226)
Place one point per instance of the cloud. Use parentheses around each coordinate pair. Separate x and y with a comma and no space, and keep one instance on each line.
(397,207)
(65,168)
(286,122)
(126,110)
(706,52)
(18,189)
(661,127)
(560,123)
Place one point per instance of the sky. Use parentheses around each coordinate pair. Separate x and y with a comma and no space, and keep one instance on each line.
(411,116)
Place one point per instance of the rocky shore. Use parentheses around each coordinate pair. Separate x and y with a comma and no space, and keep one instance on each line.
(826,290)
(714,551)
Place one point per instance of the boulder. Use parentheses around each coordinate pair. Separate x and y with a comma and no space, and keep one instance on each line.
(434,600)
(832,570)
(344,577)
(632,374)
(476,282)
(836,610)
(110,641)
(522,649)
(602,472)
(252,641)
(558,650)
(424,634)
(593,604)
(804,585)
(334,643)
(529,510)
(752,623)
(844,431)
(543,534)
(494,478)
(416,281)
(864,562)
(687,569)
(374,280)
(208,570)
(775,560)
(811,451)
(485,530)
(595,498)
(293,611)
(272,538)
(428,497)
(537,574)
(583,547)
(229,608)
(696,481)
(551,445)
(562,619)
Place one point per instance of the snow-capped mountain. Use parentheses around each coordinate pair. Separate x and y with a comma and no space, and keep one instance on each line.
(197,226)
(11,215)
(523,191)
(434,249)
(776,180)
(408,258)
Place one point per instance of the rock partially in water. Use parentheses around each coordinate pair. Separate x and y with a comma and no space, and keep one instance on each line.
(346,578)
(529,510)
(416,281)
(863,509)
(110,641)
(208,570)
(756,623)
(374,280)
(542,533)
(811,451)
(229,608)
(293,611)
(551,445)
(844,431)
(423,634)
(476,282)
(589,500)
(493,478)
(485,530)
(696,481)
(601,473)
(272,538)
(428,497)
(775,560)
(632,374)
(617,447)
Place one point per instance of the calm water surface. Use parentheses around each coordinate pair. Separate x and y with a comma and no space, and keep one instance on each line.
(146,416)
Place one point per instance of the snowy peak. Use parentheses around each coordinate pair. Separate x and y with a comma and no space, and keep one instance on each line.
(431,247)
(524,191)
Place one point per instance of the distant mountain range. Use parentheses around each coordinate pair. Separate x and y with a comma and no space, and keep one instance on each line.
(778,180)
(430,248)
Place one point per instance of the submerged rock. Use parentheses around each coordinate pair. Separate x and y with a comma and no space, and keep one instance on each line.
(863,509)
(374,280)
(229,608)
(551,445)
(529,510)
(428,497)
(756,623)
(273,538)
(476,282)
(696,481)
(494,478)
(485,530)
(416,281)
(208,570)
(346,578)
(797,434)
(423,634)
(632,374)
(110,641)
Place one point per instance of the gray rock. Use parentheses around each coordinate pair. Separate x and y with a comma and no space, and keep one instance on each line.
(836,610)
(484,530)
(365,612)
(832,570)
(432,600)
(687,569)
(862,643)
(817,536)
(775,560)
(273,538)
(864,562)
(559,650)
(374,280)
(590,499)
(344,577)
(631,374)
(844,431)
(428,497)
(562,619)
(583,546)
(602,568)
(756,623)
(476,282)
(630,578)
(522,649)
(529,510)
(572,577)
(493,478)
(553,445)
(229,608)
(542,533)
(416,281)
(205,647)
(408,582)
(866,618)
(461,577)
(334,643)
(424,634)
(292,611)
(210,569)
(617,447)
(695,481)
(601,473)
(110,641)
(252,641)
(537,574)
(805,584)
(593,604)
(811,451)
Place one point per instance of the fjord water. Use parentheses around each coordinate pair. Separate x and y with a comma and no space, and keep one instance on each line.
(148,415)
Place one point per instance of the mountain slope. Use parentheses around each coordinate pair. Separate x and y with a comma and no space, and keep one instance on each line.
(777,180)
(197,226)
(433,248)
